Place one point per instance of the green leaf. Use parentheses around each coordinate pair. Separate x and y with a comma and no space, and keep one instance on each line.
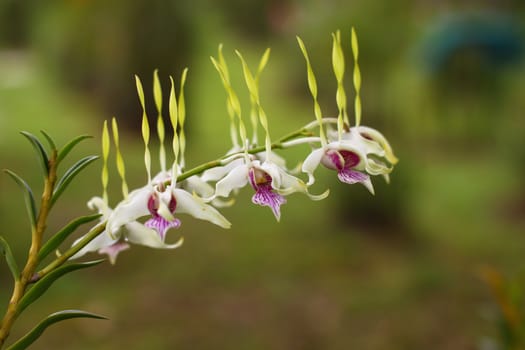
(59,237)
(40,287)
(69,146)
(70,175)
(35,333)
(11,262)
(40,150)
(49,140)
(28,196)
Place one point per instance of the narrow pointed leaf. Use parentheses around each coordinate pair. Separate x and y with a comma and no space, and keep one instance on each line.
(54,242)
(40,287)
(70,174)
(28,196)
(35,333)
(40,150)
(70,145)
(11,262)
(49,140)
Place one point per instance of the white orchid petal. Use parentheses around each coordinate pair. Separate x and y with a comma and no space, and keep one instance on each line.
(274,171)
(134,207)
(217,173)
(137,233)
(101,241)
(293,184)
(368,184)
(311,163)
(195,206)
(318,197)
(273,158)
(164,211)
(354,148)
(237,178)
(198,185)
(98,204)
(219,203)
(382,141)
(114,250)
(367,146)
(375,167)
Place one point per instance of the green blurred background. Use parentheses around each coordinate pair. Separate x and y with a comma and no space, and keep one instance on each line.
(432,261)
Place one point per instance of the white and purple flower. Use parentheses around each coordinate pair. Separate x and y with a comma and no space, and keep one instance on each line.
(355,153)
(270,182)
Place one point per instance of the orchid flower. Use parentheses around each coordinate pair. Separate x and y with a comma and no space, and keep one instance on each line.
(113,243)
(265,172)
(160,199)
(357,152)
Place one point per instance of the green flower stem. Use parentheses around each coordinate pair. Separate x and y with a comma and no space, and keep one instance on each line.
(95,232)
(32,259)
(315,123)
(28,274)
(300,141)
(218,162)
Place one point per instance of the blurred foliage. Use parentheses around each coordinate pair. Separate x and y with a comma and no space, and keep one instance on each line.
(394,271)
(509,296)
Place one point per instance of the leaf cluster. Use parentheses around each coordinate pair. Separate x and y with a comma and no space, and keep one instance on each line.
(38,283)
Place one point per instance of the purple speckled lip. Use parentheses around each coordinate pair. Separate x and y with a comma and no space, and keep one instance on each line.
(264,194)
(157,222)
(343,161)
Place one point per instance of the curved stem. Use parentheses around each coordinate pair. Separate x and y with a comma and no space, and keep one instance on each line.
(28,274)
(315,123)
(300,141)
(220,161)
(95,231)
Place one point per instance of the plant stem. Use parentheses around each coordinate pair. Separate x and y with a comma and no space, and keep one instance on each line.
(96,231)
(218,162)
(28,274)
(37,233)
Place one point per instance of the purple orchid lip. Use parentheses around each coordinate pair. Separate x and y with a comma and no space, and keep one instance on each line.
(157,222)
(339,160)
(343,161)
(333,159)
(264,194)
(153,205)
